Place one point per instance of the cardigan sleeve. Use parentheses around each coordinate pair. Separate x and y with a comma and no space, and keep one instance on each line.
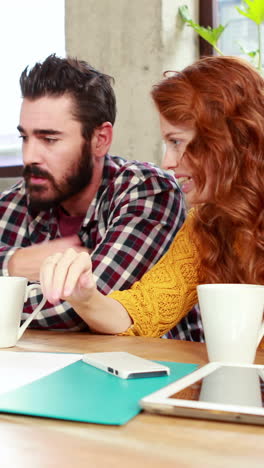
(167,291)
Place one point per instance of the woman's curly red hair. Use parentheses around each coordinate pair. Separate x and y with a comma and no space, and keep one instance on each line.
(223,99)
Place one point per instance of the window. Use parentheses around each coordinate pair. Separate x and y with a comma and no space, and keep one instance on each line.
(239,32)
(30,30)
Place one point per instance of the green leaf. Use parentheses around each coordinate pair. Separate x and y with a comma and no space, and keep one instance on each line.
(253,9)
(250,53)
(211,35)
(184,13)
(253,53)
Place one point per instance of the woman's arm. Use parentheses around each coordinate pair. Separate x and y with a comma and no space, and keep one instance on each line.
(167,292)
(151,307)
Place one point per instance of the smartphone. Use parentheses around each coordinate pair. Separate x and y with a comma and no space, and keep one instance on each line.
(219,391)
(125,365)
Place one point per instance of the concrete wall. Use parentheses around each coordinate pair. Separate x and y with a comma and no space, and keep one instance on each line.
(134,41)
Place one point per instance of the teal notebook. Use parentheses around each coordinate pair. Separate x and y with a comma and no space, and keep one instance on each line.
(80,392)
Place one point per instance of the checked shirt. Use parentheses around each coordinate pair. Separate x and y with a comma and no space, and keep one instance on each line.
(128,226)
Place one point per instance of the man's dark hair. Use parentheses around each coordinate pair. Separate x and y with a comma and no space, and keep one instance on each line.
(92,93)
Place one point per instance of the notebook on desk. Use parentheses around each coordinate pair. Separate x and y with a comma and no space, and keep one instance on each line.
(80,392)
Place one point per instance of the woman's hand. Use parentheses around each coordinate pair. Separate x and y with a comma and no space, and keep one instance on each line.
(68,276)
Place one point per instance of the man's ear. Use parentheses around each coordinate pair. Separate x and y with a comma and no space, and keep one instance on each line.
(102,139)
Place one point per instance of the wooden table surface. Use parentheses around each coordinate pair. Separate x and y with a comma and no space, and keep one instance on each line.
(145,441)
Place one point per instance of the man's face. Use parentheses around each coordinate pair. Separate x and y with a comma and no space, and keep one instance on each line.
(58,161)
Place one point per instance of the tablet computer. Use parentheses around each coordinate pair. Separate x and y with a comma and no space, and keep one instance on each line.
(227,392)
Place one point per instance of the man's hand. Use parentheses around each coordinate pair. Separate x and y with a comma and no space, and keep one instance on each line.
(27,261)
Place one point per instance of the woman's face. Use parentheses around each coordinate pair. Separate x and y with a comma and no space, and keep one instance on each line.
(176,139)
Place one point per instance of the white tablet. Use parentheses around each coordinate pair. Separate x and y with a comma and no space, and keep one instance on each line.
(227,392)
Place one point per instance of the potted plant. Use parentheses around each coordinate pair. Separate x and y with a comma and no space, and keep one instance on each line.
(252,9)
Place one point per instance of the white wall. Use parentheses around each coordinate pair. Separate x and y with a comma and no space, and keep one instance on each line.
(25,39)
(135,41)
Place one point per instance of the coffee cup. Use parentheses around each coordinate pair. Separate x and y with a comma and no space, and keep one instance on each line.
(14,292)
(232,317)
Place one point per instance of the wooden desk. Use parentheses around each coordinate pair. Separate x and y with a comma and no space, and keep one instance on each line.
(146,441)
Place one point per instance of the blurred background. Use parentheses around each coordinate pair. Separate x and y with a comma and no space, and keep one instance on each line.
(134,41)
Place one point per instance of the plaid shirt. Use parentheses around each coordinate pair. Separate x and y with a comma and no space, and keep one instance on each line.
(128,226)
(190,327)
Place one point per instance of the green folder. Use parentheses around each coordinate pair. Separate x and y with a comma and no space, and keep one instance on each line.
(80,392)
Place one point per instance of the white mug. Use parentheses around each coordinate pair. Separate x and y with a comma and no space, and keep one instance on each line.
(14,292)
(232,320)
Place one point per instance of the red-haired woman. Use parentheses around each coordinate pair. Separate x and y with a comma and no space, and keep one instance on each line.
(212,122)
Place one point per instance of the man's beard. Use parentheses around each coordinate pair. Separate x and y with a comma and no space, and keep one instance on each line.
(77,178)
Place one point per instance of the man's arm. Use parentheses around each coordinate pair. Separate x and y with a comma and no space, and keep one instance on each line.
(140,230)
(17,256)
(27,261)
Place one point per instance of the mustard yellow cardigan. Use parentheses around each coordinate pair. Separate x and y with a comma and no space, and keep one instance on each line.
(167,291)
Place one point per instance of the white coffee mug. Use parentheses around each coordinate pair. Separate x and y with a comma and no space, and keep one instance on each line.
(232,317)
(14,292)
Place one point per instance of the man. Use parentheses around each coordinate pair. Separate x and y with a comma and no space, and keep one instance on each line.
(74,194)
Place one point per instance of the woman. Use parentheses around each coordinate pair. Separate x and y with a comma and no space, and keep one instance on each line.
(212,122)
